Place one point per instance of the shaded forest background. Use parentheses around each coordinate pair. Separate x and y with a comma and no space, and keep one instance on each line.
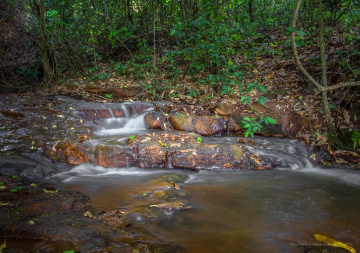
(183,50)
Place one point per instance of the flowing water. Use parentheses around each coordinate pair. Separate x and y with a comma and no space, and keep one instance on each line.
(275,210)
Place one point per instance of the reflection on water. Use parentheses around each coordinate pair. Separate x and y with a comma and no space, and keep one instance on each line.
(239,211)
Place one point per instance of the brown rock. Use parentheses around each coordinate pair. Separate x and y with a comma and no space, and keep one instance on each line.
(69,153)
(204,125)
(182,122)
(151,155)
(112,156)
(154,120)
(166,150)
(93,114)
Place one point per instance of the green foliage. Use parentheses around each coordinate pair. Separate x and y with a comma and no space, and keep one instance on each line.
(109,95)
(253,125)
(3,246)
(355,137)
(199,139)
(131,137)
(16,189)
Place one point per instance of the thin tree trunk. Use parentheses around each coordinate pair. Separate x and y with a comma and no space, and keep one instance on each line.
(328,119)
(183,12)
(251,13)
(42,41)
(128,11)
(154,59)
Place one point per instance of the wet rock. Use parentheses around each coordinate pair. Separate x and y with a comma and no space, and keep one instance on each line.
(155,120)
(69,153)
(11,114)
(204,125)
(151,155)
(25,167)
(94,114)
(165,150)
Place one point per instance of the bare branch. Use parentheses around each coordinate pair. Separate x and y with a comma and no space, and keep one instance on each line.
(341,85)
(293,43)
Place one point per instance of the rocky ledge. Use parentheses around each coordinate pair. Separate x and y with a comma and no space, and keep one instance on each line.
(166,150)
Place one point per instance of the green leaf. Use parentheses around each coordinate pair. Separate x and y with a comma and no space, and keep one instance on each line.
(270,120)
(16,189)
(230,63)
(3,246)
(264,88)
(291,29)
(246,126)
(199,139)
(131,137)
(172,32)
(109,95)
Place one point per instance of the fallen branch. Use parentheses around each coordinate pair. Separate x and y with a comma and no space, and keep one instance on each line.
(341,85)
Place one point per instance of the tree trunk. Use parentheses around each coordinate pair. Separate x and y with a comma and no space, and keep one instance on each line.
(127,5)
(251,13)
(49,73)
(183,12)
(328,120)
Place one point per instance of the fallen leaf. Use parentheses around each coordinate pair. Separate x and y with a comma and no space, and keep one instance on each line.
(333,242)
(162,144)
(88,214)
(49,191)
(255,159)
(269,76)
(145,140)
(30,222)
(176,187)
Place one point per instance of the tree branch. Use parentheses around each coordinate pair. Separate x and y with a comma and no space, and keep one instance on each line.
(293,43)
(341,85)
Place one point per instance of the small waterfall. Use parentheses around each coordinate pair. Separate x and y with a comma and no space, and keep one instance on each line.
(130,122)
(126,111)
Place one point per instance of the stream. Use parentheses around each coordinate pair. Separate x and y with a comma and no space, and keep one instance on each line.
(275,210)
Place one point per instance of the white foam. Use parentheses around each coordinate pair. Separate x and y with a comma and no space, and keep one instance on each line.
(132,125)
